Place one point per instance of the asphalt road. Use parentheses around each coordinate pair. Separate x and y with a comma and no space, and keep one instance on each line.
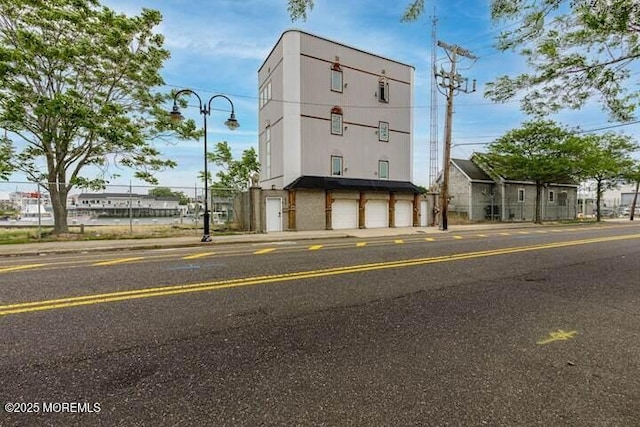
(529,327)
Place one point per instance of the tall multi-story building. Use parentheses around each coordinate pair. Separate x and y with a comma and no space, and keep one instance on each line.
(335,126)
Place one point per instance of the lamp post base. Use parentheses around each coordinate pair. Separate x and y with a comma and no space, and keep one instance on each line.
(206,238)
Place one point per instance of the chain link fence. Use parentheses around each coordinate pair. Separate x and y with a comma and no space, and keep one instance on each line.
(513,212)
(29,203)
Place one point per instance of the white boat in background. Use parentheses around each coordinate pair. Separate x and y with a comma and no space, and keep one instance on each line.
(31,212)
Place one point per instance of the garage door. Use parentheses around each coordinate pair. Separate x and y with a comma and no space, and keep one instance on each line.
(376,214)
(344,214)
(404,210)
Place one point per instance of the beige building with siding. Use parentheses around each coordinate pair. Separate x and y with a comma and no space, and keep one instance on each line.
(336,148)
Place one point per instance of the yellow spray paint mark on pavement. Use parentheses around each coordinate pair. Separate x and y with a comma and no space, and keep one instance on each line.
(398,241)
(429,239)
(315,247)
(482,235)
(264,251)
(558,335)
(118,261)
(457,237)
(19,267)
(196,256)
(361,244)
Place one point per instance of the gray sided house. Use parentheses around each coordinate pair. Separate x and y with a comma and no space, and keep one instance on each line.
(476,194)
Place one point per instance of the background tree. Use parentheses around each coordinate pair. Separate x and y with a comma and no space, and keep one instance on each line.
(605,159)
(167,192)
(77,89)
(576,50)
(539,151)
(233,174)
(298,9)
(633,176)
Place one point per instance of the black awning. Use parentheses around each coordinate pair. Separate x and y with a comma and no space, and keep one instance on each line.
(353,184)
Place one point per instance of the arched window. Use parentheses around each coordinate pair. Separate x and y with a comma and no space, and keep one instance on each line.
(336,77)
(336,121)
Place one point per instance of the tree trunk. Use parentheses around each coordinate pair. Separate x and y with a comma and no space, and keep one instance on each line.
(538,213)
(58,194)
(634,202)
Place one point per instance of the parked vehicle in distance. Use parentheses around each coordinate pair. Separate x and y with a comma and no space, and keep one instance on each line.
(627,210)
(608,213)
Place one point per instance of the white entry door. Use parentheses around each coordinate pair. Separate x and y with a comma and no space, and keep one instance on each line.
(424,215)
(376,214)
(404,213)
(344,214)
(274,214)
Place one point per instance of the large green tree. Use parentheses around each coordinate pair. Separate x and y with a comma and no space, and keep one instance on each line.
(605,159)
(233,174)
(77,89)
(576,50)
(540,151)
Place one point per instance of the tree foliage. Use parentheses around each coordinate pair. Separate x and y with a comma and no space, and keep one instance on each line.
(233,174)
(77,89)
(605,159)
(539,151)
(298,9)
(167,192)
(577,50)
(6,152)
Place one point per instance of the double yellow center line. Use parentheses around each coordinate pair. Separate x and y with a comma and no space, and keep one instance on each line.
(285,277)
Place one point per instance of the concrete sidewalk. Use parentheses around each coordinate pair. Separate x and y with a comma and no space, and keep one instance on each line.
(38,248)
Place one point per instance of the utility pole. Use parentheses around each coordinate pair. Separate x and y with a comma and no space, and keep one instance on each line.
(453,83)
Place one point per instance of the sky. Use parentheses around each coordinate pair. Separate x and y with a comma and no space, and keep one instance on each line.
(217,47)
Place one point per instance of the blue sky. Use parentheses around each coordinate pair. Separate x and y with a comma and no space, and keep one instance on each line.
(217,46)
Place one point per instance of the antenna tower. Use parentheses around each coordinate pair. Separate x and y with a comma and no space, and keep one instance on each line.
(433,139)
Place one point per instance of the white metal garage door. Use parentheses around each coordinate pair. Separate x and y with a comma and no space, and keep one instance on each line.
(344,214)
(424,215)
(376,214)
(404,217)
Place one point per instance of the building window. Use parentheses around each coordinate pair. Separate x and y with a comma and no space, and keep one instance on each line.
(552,196)
(265,94)
(383,90)
(383,169)
(521,195)
(383,131)
(562,198)
(267,138)
(336,165)
(336,121)
(336,78)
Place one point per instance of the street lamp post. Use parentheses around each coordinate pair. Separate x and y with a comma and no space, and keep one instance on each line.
(205,110)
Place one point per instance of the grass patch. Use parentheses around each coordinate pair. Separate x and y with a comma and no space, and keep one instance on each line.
(13,235)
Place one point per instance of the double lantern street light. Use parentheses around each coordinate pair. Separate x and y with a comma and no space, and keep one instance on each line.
(205,110)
